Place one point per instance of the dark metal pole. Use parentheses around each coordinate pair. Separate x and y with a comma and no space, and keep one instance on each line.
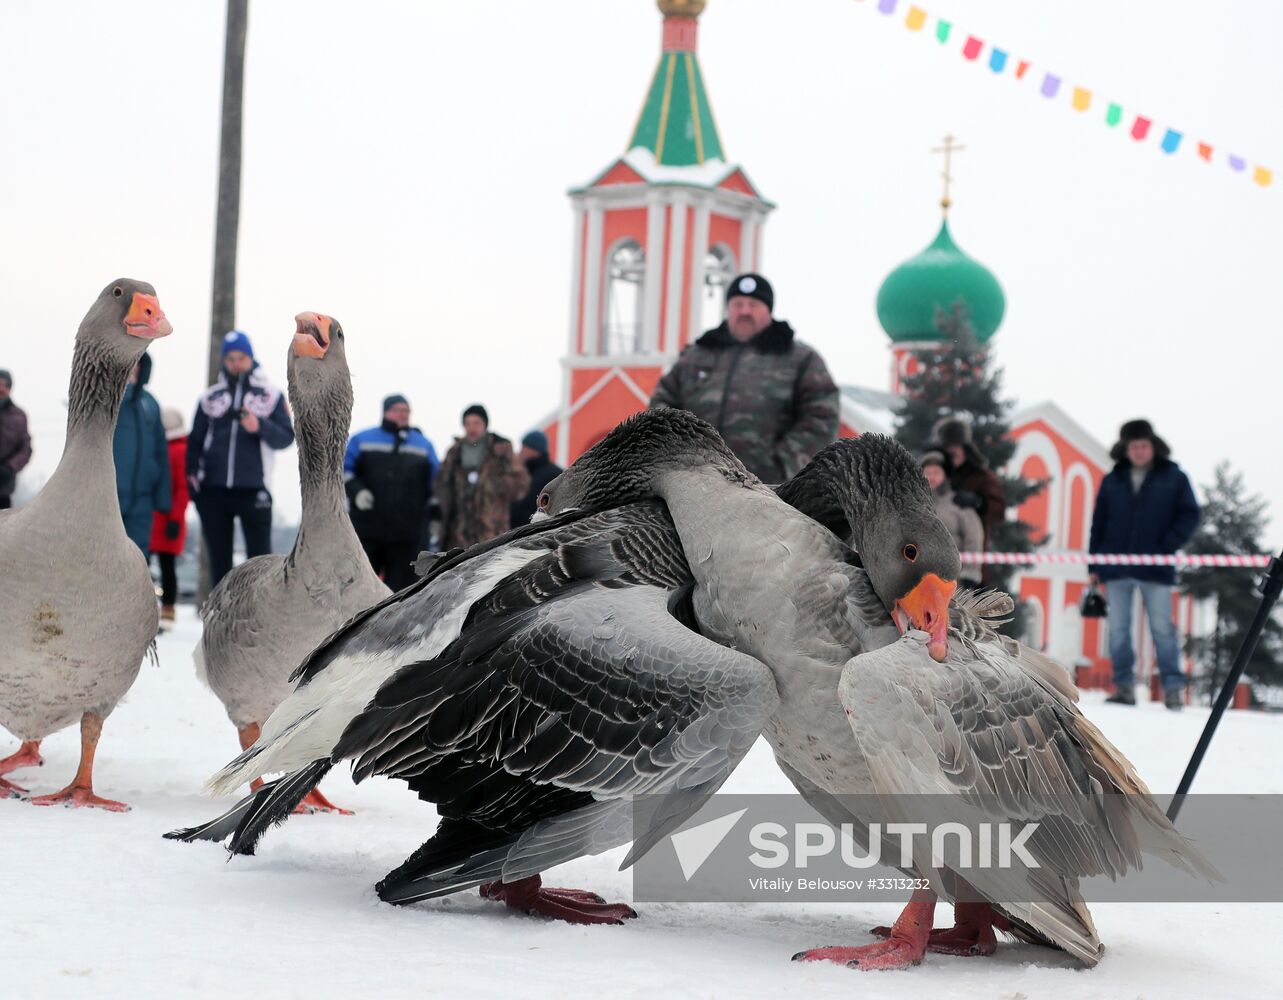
(1270,587)
(227,223)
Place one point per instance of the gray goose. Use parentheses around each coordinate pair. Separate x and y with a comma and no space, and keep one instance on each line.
(531,687)
(77,608)
(270,611)
(464,726)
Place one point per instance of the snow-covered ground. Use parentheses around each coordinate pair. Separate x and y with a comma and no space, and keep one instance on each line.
(98,905)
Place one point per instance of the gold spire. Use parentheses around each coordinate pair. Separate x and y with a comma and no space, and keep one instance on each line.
(681,8)
(948,149)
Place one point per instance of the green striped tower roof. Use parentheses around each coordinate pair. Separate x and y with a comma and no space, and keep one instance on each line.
(676,121)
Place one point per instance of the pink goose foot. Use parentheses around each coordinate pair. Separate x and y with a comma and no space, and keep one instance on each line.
(971,935)
(904,948)
(8,790)
(27,755)
(80,793)
(575,906)
(315,802)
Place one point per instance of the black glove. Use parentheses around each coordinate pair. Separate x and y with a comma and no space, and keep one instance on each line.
(965,498)
(8,478)
(172,528)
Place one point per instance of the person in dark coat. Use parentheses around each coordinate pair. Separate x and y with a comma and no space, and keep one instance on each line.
(15,441)
(388,473)
(479,479)
(542,469)
(240,421)
(169,528)
(768,394)
(1146,505)
(141,457)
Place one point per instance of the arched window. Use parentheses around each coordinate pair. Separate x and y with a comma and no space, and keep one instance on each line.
(719,272)
(625,273)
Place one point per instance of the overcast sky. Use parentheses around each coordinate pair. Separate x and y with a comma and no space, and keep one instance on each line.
(405,169)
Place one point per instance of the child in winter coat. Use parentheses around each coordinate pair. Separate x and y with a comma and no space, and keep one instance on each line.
(169,528)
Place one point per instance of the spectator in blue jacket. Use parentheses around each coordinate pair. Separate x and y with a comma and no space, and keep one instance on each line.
(141,456)
(1145,505)
(388,474)
(240,421)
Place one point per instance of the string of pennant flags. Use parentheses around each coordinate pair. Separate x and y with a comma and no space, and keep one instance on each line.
(1223,560)
(1081,99)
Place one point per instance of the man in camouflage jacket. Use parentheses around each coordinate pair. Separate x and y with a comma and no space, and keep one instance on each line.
(770,396)
(477,483)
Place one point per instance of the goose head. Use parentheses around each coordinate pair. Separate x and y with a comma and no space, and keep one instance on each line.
(116,331)
(319,381)
(123,320)
(625,465)
(871,493)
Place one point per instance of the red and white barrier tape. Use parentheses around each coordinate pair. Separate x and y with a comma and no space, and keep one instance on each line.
(1113,559)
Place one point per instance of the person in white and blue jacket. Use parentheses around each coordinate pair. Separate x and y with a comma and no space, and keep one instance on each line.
(388,474)
(240,421)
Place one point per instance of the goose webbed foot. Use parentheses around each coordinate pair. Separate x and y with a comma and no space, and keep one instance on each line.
(27,755)
(80,793)
(8,790)
(76,796)
(905,945)
(972,933)
(575,906)
(315,802)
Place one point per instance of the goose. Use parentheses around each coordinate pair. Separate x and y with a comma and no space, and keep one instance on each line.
(268,612)
(77,608)
(412,726)
(531,687)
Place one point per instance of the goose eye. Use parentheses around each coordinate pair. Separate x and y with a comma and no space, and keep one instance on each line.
(911,552)
(118,291)
(544,501)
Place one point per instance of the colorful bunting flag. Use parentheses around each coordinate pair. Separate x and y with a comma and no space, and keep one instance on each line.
(1081,97)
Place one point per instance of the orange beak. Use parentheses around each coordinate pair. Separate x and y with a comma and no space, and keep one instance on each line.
(146,319)
(926,607)
(311,335)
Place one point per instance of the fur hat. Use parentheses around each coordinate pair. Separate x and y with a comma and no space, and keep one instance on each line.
(951,431)
(933,458)
(1139,430)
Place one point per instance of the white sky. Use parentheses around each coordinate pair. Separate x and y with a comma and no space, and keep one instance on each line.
(405,168)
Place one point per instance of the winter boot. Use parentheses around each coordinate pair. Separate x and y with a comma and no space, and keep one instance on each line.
(1123,696)
(1174,699)
(166,617)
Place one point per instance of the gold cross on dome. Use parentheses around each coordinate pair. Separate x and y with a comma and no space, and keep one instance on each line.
(948,149)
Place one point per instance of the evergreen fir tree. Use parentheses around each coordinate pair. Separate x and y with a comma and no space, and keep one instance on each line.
(1233,522)
(954,379)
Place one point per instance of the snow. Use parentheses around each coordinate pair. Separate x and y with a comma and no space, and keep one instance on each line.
(98,905)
